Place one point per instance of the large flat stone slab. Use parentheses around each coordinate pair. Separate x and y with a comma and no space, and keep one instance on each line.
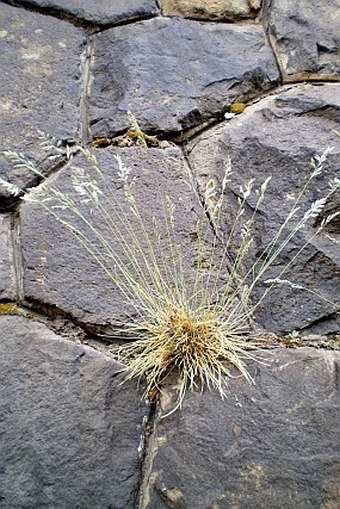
(100,12)
(59,272)
(7,280)
(277,137)
(171,87)
(39,86)
(69,431)
(221,10)
(305,37)
(275,444)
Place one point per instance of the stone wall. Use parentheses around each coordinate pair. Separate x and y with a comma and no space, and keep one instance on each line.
(256,81)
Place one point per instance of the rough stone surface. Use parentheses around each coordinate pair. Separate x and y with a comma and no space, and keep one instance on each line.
(7,285)
(275,444)
(58,272)
(171,87)
(226,10)
(305,37)
(69,431)
(278,136)
(100,12)
(73,437)
(39,86)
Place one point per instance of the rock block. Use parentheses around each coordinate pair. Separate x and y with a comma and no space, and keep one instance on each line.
(69,431)
(305,37)
(275,444)
(277,137)
(58,272)
(7,279)
(221,10)
(172,87)
(101,12)
(40,86)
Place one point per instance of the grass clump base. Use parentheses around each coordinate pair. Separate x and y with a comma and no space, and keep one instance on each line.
(198,345)
(199,325)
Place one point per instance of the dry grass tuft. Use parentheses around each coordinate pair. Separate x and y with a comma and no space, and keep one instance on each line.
(198,344)
(199,329)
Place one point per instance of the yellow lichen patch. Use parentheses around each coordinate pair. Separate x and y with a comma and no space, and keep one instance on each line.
(237,108)
(9,308)
(142,138)
(101,142)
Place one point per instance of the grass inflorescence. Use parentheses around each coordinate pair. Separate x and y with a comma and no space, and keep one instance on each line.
(198,328)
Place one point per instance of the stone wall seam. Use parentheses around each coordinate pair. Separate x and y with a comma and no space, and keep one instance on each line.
(17,256)
(84,89)
(147,453)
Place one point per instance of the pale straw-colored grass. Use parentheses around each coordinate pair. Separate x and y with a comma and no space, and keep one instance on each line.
(199,329)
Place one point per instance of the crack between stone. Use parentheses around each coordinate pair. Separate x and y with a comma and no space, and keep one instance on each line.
(302,78)
(43,311)
(229,22)
(321,319)
(194,184)
(17,256)
(84,90)
(266,5)
(63,324)
(148,450)
(195,187)
(51,314)
(276,58)
(194,132)
(102,28)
